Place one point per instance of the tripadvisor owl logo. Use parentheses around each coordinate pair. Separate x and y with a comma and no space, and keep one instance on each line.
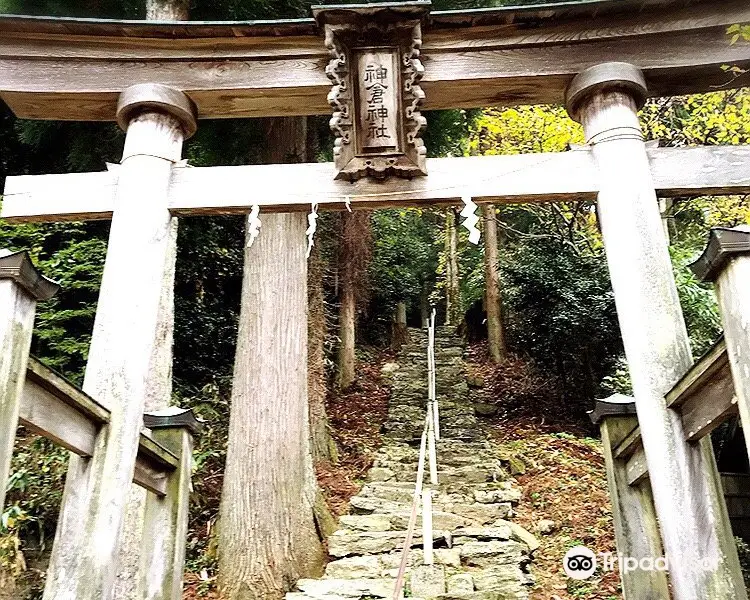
(579,563)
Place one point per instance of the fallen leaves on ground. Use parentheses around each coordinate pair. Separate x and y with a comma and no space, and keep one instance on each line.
(356,416)
(564,478)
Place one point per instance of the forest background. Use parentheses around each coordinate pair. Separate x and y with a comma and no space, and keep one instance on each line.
(558,310)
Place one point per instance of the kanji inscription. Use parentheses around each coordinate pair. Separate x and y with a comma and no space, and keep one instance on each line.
(375,69)
(378,101)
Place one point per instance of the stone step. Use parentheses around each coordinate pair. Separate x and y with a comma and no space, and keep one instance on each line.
(446,491)
(466,475)
(399,520)
(346,543)
(493,553)
(363,505)
(386,565)
(444,459)
(454,472)
(475,513)
(345,588)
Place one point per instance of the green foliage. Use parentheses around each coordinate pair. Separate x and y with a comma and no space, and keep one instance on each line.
(556,295)
(72,254)
(698,301)
(208,283)
(113,9)
(524,129)
(739,31)
(448,130)
(561,311)
(718,118)
(34,491)
(403,264)
(211,404)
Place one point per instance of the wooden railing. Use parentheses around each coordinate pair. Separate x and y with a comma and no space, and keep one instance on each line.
(47,404)
(715,389)
(54,408)
(704,399)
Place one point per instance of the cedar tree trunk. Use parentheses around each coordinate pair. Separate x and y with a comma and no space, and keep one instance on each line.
(493,303)
(267,532)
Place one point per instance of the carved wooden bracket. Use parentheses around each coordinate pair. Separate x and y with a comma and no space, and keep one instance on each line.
(375,70)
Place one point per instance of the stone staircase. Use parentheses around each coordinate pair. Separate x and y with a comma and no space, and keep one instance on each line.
(479,553)
(409,392)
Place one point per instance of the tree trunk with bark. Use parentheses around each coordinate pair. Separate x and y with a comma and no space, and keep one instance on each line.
(400,331)
(355,250)
(267,531)
(323,446)
(493,302)
(453,311)
(347,328)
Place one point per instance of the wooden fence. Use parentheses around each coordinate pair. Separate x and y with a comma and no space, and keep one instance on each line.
(44,402)
(711,392)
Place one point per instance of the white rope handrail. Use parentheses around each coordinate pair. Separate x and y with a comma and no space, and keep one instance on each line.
(430,432)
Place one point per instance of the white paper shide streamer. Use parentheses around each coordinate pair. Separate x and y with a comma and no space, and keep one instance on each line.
(471,219)
(253,225)
(312,222)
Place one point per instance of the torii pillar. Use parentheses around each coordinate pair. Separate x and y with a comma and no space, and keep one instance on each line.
(157,120)
(694,524)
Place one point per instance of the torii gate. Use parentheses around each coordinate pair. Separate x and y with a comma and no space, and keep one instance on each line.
(602,59)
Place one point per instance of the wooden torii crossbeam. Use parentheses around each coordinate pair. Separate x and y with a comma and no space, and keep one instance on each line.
(75,68)
(548,177)
(602,58)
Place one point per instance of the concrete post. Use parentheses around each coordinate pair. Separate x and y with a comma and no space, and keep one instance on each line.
(21,286)
(692,514)
(83,564)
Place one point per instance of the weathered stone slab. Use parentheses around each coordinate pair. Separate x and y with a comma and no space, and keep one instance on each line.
(465,535)
(493,553)
(427,581)
(520,534)
(509,580)
(461,583)
(392,491)
(440,520)
(355,567)
(345,543)
(499,495)
(365,505)
(481,514)
(374,522)
(380,474)
(347,588)
(450,557)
